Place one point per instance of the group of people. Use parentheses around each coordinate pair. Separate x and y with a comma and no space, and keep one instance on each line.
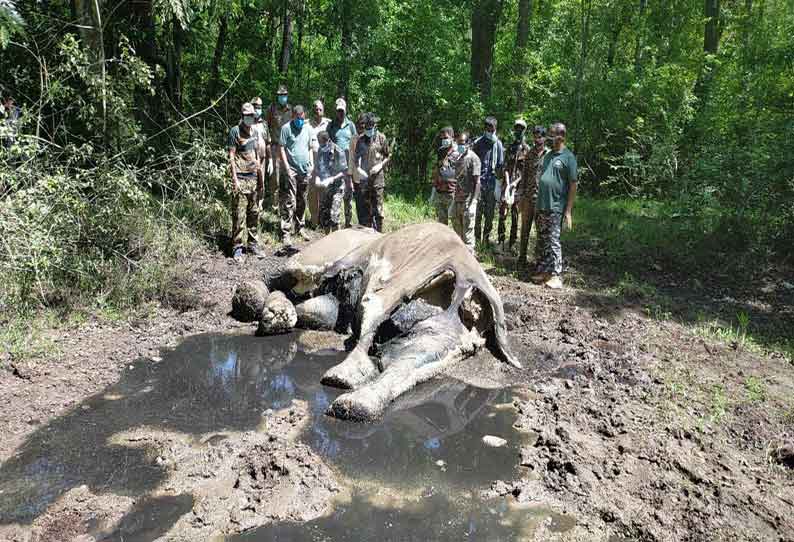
(535,180)
(301,163)
(323,165)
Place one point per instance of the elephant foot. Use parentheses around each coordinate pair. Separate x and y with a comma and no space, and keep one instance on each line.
(357,369)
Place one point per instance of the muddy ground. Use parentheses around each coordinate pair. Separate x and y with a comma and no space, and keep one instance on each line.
(636,426)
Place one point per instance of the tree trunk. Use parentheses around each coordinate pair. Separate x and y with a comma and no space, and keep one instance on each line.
(286,39)
(522,40)
(638,50)
(585,21)
(484,20)
(613,44)
(175,64)
(217,58)
(711,34)
(343,84)
(89,17)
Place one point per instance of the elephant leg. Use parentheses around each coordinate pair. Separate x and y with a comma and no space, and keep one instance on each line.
(433,345)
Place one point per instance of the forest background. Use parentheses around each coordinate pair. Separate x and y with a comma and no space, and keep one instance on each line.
(681,114)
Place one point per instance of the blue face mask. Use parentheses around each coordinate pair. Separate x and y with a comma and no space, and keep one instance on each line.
(446,142)
(282,99)
(248,120)
(461,148)
(298,124)
(258,111)
(490,136)
(370,132)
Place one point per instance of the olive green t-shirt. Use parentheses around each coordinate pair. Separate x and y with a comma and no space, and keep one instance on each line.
(558,172)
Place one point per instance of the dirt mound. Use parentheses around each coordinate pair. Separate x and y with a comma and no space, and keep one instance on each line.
(280,481)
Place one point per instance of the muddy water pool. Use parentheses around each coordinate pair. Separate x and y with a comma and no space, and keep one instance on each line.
(415,475)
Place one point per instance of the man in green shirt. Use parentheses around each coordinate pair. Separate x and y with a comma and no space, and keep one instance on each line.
(296,158)
(556,194)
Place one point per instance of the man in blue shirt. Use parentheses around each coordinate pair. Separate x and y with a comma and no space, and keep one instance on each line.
(342,131)
(556,194)
(491,152)
(296,156)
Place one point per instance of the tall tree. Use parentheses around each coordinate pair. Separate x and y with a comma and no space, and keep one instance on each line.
(346,57)
(217,57)
(586,9)
(640,45)
(522,40)
(485,16)
(286,38)
(711,34)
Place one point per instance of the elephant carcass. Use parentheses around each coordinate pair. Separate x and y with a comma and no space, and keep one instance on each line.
(400,273)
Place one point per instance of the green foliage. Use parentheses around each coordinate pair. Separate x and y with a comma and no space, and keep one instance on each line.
(10,22)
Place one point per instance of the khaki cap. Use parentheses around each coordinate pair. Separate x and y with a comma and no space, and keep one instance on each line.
(341,104)
(247,109)
(282,89)
(521,122)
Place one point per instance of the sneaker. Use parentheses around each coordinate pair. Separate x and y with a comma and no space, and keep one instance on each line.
(540,278)
(253,250)
(555,283)
(303,234)
(237,255)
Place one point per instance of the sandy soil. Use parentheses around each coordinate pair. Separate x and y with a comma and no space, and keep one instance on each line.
(646,430)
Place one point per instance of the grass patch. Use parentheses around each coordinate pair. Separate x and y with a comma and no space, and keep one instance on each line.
(755,389)
(23,338)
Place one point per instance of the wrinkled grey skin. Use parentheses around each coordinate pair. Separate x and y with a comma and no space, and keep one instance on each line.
(416,301)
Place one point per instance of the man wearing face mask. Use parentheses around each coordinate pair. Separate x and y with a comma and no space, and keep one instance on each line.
(329,174)
(373,154)
(318,123)
(342,131)
(528,189)
(359,177)
(444,174)
(491,152)
(556,194)
(245,146)
(467,188)
(278,114)
(514,173)
(264,134)
(296,157)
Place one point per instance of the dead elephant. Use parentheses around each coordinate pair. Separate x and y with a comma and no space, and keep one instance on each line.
(413,302)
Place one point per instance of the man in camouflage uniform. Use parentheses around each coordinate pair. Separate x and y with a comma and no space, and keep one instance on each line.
(491,152)
(528,189)
(264,133)
(514,175)
(372,155)
(342,131)
(444,174)
(278,114)
(358,176)
(557,187)
(296,157)
(330,171)
(464,205)
(245,148)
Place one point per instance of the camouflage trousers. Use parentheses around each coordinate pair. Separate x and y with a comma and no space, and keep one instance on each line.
(244,206)
(443,204)
(486,208)
(463,217)
(331,205)
(292,202)
(526,208)
(361,193)
(500,229)
(348,200)
(548,250)
(370,199)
